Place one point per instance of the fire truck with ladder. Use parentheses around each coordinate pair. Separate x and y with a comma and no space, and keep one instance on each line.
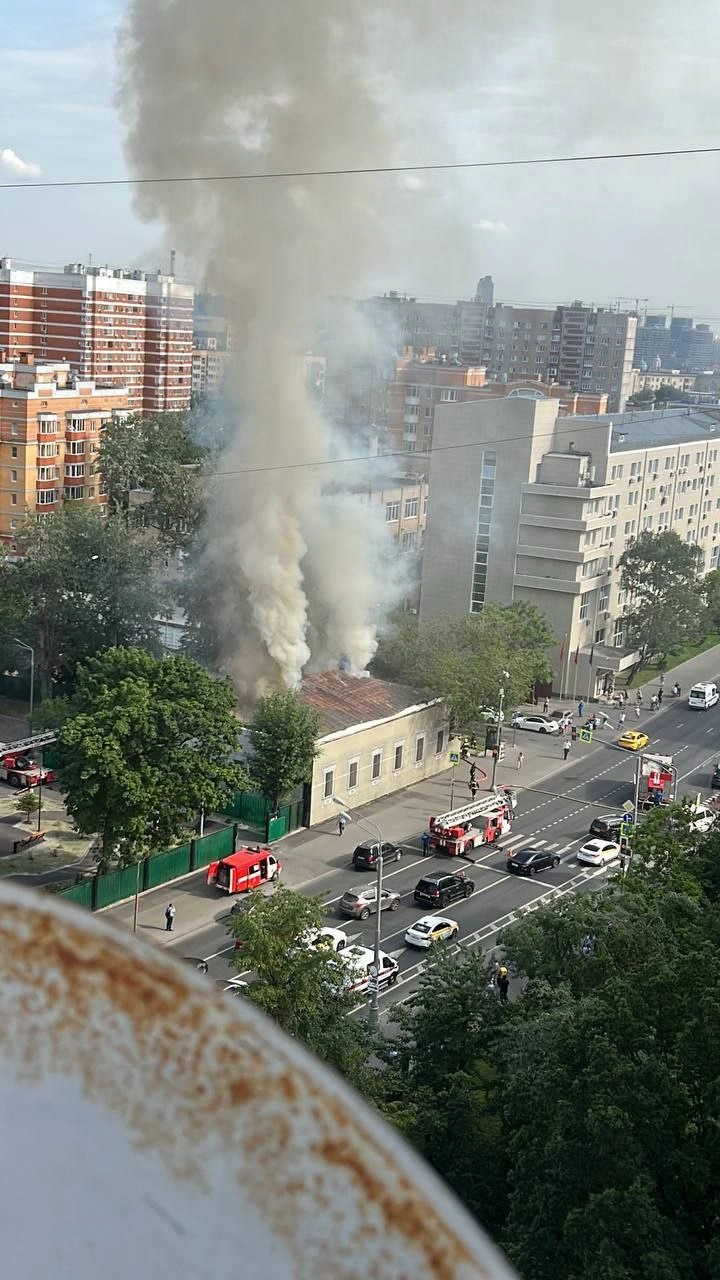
(17,766)
(480,822)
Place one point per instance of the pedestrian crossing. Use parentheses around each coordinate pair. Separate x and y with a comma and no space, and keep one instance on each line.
(554,847)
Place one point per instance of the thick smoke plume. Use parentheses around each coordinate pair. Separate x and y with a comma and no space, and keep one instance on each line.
(232,87)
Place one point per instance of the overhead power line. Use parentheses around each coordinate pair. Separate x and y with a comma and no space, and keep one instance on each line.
(281,174)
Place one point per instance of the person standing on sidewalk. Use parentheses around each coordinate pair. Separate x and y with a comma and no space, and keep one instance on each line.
(621,720)
(503,983)
(637,710)
(169,917)
(425,843)
(660,696)
(520,759)
(566,748)
(342,823)
(581,708)
(546,706)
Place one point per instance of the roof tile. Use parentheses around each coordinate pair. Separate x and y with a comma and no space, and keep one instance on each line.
(343,700)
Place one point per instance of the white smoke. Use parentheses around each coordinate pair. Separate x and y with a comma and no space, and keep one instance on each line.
(11,161)
(231,87)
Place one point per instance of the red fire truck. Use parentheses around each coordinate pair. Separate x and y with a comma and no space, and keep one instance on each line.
(17,766)
(480,822)
(245,870)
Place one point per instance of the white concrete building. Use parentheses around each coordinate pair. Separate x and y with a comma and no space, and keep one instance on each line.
(527,506)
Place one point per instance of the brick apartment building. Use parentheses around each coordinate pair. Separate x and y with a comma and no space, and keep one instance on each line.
(421,384)
(125,329)
(50,425)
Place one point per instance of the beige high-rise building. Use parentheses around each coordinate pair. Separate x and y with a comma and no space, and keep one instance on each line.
(525,505)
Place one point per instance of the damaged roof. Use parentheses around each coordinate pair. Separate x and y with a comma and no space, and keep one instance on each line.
(343,700)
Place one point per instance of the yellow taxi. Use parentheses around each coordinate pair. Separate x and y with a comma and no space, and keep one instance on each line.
(633,740)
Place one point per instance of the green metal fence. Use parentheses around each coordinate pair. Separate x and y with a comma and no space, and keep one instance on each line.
(82,894)
(217,844)
(113,886)
(167,866)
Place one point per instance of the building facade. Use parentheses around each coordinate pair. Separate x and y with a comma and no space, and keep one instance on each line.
(678,343)
(116,328)
(376,738)
(530,506)
(50,426)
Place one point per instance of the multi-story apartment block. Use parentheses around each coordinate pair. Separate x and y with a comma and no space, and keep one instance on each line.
(50,425)
(421,384)
(554,503)
(641,381)
(119,328)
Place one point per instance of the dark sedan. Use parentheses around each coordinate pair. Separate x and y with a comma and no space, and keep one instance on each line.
(607,828)
(366,854)
(526,862)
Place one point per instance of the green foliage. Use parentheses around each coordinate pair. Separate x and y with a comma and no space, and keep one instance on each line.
(155,456)
(83,585)
(283,735)
(297,985)
(666,611)
(28,803)
(711,594)
(147,745)
(462,660)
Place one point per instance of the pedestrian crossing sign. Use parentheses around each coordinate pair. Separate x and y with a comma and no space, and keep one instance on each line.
(585,735)
(454,757)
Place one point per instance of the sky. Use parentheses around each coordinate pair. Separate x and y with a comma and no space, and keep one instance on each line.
(522,80)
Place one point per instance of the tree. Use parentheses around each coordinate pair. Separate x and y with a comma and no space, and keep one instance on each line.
(83,584)
(299,986)
(283,738)
(658,572)
(154,472)
(28,804)
(711,594)
(148,744)
(462,660)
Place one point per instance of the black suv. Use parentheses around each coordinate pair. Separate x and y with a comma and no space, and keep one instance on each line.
(366,855)
(439,888)
(607,828)
(527,861)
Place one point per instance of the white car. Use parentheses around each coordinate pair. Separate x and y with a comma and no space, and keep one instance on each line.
(702,818)
(539,724)
(358,961)
(320,939)
(429,929)
(597,853)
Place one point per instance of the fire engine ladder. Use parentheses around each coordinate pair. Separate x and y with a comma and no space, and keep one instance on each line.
(476,809)
(36,743)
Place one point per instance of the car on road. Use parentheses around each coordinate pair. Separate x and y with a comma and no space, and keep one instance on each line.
(715,780)
(325,938)
(358,961)
(597,853)
(633,740)
(360,903)
(702,818)
(430,929)
(440,887)
(489,715)
(608,828)
(538,724)
(526,862)
(365,856)
(200,965)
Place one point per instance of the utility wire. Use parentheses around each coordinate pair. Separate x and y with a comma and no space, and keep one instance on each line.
(470,444)
(450,166)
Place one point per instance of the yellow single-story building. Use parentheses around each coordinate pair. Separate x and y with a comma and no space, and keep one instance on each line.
(376,738)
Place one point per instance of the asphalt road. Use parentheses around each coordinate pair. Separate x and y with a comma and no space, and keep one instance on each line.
(556,816)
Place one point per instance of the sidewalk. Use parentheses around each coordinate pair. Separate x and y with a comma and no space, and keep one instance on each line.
(308,855)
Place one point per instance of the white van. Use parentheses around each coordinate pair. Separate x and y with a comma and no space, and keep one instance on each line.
(702,696)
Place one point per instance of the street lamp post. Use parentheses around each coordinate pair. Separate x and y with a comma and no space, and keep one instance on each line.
(31,651)
(374,1005)
(498,738)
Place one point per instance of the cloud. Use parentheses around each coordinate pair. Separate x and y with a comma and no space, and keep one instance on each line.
(487,224)
(11,161)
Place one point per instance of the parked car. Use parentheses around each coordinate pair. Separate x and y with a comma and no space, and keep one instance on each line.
(538,724)
(430,929)
(715,780)
(526,862)
(439,888)
(357,962)
(633,740)
(365,855)
(608,828)
(325,938)
(360,903)
(597,853)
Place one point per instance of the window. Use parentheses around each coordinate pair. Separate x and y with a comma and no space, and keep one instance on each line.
(398,757)
(616,472)
(633,497)
(679,513)
(603,599)
(13,499)
(376,769)
(669,462)
(714,555)
(47,473)
(408,541)
(353,770)
(412,391)
(440,742)
(73,470)
(411,507)
(652,466)
(45,497)
(74,492)
(392,512)
(13,477)
(629,528)
(448,393)
(585,606)
(13,451)
(650,495)
(647,523)
(328,784)
(420,748)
